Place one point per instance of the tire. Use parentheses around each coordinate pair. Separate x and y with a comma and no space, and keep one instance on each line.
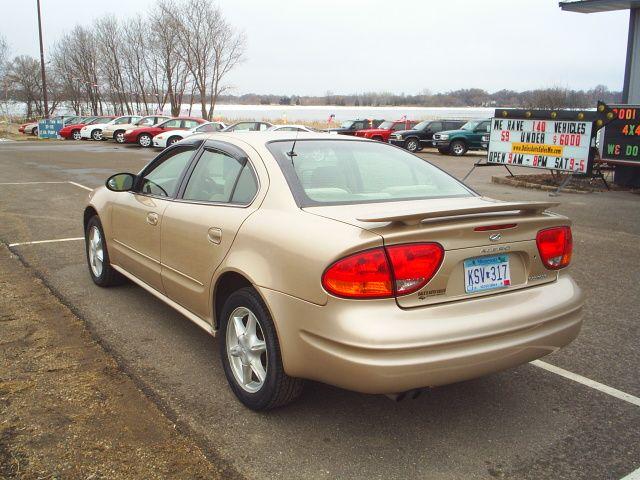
(238,350)
(458,148)
(96,135)
(75,135)
(412,144)
(118,136)
(34,131)
(101,272)
(144,140)
(172,140)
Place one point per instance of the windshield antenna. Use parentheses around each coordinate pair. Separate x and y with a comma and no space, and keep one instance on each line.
(292,153)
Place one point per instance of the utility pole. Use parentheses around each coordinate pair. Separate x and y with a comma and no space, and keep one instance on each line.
(44,77)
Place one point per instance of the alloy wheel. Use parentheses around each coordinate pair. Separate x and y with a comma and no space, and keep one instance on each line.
(76,135)
(246,350)
(412,145)
(96,252)
(96,135)
(144,140)
(120,137)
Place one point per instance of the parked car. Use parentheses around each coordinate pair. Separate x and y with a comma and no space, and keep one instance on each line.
(116,132)
(72,131)
(384,130)
(248,127)
(166,139)
(290,128)
(423,282)
(350,127)
(421,135)
(143,136)
(94,131)
(468,137)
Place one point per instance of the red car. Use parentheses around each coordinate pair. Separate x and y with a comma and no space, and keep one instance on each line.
(73,131)
(385,129)
(143,136)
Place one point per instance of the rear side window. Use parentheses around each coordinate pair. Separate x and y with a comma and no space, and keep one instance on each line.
(221,178)
(189,123)
(436,126)
(334,172)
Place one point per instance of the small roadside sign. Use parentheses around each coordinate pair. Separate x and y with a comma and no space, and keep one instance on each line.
(49,128)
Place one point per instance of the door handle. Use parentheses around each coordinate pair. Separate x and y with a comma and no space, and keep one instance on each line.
(152,218)
(214,235)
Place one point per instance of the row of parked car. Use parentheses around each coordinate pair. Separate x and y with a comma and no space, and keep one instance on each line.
(451,137)
(454,137)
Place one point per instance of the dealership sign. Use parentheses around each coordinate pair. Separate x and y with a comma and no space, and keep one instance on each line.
(540,143)
(50,127)
(621,140)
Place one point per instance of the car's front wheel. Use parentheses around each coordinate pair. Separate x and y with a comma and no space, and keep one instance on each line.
(250,353)
(458,148)
(102,273)
(412,144)
(173,140)
(34,131)
(144,140)
(96,134)
(119,136)
(76,135)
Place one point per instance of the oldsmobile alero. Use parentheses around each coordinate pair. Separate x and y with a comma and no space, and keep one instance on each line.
(336,259)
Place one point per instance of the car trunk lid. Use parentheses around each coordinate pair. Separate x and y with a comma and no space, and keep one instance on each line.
(468,229)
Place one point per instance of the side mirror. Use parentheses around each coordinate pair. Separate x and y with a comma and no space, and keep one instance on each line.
(120,182)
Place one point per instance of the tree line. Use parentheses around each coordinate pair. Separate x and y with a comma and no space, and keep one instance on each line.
(180,52)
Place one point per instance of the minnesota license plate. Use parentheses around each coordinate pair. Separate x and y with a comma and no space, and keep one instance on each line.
(486,273)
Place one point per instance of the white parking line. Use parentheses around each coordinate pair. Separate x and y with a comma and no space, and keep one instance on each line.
(589,383)
(46,241)
(81,186)
(36,183)
(633,475)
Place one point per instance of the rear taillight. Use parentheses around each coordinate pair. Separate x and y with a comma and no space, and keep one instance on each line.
(383,273)
(555,246)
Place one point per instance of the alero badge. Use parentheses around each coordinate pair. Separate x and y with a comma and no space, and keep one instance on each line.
(494,237)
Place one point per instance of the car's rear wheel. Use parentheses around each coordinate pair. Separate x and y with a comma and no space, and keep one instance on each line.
(412,144)
(34,131)
(97,135)
(458,148)
(173,140)
(76,135)
(250,353)
(119,136)
(144,140)
(101,271)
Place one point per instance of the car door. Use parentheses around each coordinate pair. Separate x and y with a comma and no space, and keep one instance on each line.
(478,132)
(433,127)
(199,227)
(136,218)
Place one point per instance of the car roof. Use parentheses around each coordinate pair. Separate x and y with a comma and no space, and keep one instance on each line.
(264,137)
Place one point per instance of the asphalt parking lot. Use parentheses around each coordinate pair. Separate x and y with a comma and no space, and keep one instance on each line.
(528,422)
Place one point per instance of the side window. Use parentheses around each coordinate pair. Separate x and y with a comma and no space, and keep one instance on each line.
(483,127)
(172,124)
(241,127)
(157,120)
(262,126)
(122,121)
(214,178)
(189,123)
(436,127)
(452,125)
(209,127)
(162,179)
(398,126)
(246,188)
(146,122)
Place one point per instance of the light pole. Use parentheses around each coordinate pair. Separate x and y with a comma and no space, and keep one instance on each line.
(44,77)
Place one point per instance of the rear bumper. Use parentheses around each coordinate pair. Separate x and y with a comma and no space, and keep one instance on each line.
(376,347)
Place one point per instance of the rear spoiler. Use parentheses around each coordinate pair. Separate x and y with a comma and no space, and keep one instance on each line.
(416,217)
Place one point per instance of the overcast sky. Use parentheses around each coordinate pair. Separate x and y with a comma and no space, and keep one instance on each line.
(348,46)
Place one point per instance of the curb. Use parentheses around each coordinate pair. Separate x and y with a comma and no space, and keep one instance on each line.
(523,184)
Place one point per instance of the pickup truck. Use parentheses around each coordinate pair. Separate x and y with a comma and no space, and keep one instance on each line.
(385,129)
(350,127)
(468,137)
(421,135)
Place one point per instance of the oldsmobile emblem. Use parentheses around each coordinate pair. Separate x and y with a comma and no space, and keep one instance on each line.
(494,237)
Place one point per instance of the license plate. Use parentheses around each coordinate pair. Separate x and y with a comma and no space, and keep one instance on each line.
(486,273)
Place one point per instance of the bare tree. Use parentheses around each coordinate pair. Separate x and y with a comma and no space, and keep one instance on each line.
(210,49)
(109,38)
(25,80)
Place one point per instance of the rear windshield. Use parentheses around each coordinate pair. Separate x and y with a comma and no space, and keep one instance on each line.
(335,172)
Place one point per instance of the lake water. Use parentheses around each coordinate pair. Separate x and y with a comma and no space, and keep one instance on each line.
(293,113)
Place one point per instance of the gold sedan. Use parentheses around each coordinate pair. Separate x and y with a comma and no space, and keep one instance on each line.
(336,259)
